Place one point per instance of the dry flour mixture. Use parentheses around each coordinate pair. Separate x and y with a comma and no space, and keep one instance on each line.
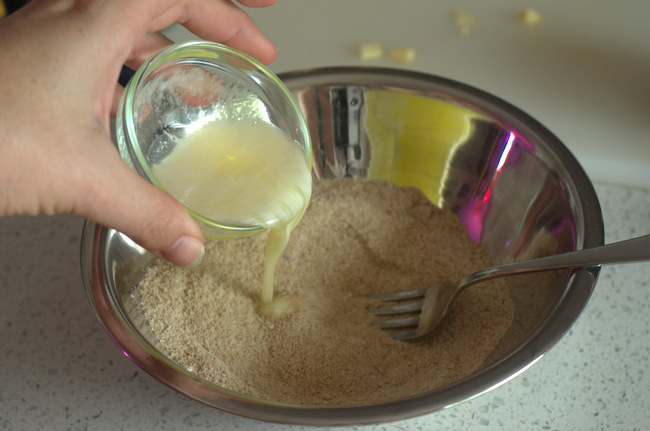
(357,237)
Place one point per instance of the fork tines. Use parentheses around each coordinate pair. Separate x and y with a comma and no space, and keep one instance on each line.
(400,309)
(397,296)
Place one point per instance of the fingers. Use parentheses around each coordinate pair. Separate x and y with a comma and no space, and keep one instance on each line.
(231,26)
(215,20)
(257,3)
(245,36)
(149,44)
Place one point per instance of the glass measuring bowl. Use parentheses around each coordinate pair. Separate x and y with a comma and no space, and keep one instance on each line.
(189,85)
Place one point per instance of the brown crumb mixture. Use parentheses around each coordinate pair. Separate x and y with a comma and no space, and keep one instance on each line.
(357,237)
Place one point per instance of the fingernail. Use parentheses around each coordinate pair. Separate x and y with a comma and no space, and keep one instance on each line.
(187,252)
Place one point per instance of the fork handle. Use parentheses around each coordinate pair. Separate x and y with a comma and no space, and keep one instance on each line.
(631,250)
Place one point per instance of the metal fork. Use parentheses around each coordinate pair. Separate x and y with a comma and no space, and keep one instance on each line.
(429,306)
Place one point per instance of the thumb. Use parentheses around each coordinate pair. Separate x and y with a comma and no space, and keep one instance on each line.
(118,198)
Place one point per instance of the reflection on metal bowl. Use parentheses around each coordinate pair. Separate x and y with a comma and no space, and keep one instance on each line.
(516,188)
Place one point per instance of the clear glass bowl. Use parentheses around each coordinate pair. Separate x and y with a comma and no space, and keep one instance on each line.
(189,85)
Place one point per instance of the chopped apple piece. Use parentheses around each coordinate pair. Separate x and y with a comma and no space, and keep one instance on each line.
(464,21)
(402,55)
(529,17)
(370,51)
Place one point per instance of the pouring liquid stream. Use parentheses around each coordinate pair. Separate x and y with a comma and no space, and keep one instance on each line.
(243,174)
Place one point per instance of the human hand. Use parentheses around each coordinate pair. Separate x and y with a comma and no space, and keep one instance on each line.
(59,65)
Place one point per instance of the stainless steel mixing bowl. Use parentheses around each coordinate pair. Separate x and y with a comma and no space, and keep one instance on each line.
(516,188)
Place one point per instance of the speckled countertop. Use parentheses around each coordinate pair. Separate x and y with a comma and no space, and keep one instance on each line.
(59,370)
